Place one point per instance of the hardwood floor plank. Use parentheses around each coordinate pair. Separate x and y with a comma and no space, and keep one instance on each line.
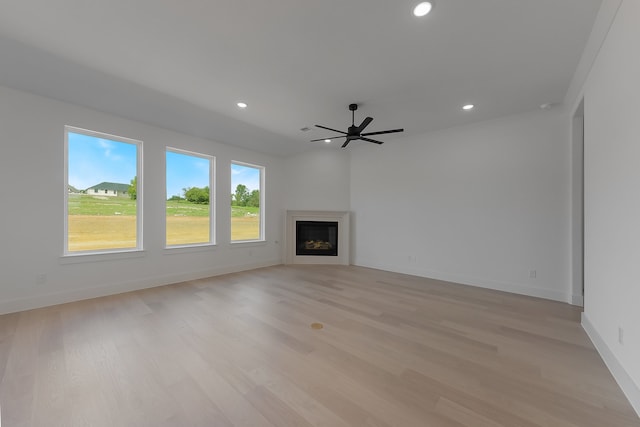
(197,409)
(8,327)
(274,409)
(239,350)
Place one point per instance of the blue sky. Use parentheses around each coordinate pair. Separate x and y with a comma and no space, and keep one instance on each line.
(93,160)
(244,175)
(184,171)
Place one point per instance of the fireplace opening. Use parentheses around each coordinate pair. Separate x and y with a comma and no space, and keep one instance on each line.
(317,238)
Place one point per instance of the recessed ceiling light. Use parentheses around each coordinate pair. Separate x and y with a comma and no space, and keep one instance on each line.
(422,9)
(327,141)
(242,104)
(468,107)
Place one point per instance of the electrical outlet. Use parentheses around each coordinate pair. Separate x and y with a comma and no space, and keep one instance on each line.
(532,274)
(620,335)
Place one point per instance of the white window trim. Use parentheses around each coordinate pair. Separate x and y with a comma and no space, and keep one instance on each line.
(212,199)
(139,174)
(261,238)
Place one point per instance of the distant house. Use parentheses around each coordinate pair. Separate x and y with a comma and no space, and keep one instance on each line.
(111,189)
(73,190)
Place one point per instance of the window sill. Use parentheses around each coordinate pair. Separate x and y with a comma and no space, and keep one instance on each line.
(101,256)
(182,249)
(245,243)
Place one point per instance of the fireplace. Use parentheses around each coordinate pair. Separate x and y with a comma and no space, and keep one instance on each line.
(317,238)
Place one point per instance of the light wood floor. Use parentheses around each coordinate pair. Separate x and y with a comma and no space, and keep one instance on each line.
(239,350)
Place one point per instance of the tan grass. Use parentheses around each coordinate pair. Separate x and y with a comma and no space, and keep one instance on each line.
(245,228)
(185,230)
(94,232)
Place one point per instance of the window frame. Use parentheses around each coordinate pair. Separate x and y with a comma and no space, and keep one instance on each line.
(139,193)
(212,198)
(262,169)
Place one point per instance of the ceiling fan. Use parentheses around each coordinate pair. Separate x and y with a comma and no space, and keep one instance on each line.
(355,132)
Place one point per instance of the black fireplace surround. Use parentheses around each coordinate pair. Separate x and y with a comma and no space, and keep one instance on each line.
(317,238)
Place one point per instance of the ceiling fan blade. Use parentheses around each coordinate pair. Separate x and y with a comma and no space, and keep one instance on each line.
(371,140)
(382,132)
(364,124)
(347,142)
(333,130)
(331,137)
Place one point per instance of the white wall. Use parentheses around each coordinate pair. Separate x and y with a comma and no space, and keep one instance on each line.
(482,204)
(612,199)
(577,206)
(318,180)
(32,141)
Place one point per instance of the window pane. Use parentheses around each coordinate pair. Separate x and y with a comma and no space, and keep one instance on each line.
(102,190)
(246,202)
(188,198)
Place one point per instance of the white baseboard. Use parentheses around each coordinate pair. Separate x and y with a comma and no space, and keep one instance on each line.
(470,281)
(626,383)
(577,300)
(45,300)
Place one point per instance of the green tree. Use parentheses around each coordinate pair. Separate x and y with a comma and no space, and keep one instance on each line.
(254,199)
(197,195)
(133,188)
(241,196)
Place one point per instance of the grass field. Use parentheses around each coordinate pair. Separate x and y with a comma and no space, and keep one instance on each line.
(98,222)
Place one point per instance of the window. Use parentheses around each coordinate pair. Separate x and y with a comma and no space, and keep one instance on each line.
(247,202)
(102,221)
(189,198)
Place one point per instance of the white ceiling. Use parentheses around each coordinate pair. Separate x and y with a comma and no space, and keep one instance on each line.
(184,64)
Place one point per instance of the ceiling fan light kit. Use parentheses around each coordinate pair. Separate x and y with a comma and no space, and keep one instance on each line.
(355,132)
